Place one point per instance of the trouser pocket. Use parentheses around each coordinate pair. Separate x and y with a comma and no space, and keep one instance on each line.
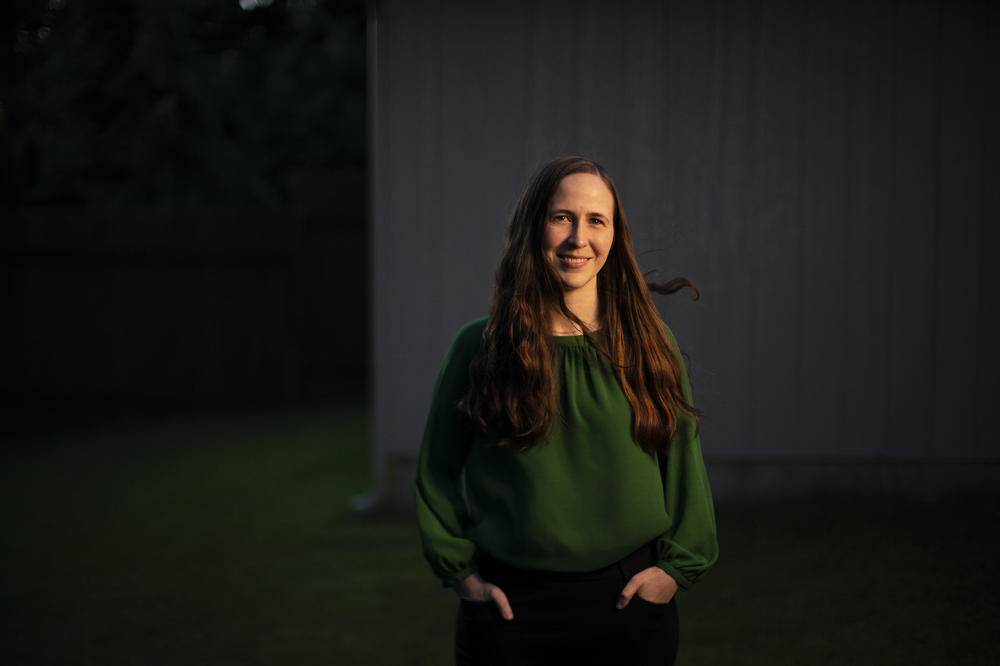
(478,629)
(650,631)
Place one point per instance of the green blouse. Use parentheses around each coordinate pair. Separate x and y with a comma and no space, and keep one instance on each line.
(583,498)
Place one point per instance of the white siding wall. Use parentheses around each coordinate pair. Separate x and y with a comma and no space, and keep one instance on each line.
(824,172)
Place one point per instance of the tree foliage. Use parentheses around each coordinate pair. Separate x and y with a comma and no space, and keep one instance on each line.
(176,101)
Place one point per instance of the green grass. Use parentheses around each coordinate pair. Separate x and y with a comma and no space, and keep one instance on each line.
(209,539)
(850,582)
(226,538)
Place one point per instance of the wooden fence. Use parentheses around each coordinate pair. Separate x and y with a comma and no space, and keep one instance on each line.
(196,306)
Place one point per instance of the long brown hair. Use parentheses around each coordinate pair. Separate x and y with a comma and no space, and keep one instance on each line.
(511,384)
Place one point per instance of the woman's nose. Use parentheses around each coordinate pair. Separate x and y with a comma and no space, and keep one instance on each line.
(576,238)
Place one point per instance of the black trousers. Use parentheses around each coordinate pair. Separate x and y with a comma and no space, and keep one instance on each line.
(566,618)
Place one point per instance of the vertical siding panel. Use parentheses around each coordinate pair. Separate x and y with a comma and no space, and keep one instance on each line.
(691,40)
(914,188)
(405,266)
(732,235)
(380,192)
(599,72)
(381,252)
(644,177)
(666,242)
(553,90)
(775,286)
(867,277)
(508,111)
(823,224)
(957,292)
(988,380)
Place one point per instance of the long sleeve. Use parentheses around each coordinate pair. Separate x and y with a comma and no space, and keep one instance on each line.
(441,509)
(689,547)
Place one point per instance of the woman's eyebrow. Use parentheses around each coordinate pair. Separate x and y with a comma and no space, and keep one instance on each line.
(592,213)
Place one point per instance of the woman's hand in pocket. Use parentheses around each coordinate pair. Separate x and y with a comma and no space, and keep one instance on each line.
(474,588)
(652,584)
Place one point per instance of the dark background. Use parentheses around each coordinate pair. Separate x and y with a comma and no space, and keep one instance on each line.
(183,200)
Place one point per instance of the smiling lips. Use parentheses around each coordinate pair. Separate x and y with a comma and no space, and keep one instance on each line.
(571,261)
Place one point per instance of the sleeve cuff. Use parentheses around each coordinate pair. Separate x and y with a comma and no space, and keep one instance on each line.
(682,581)
(459,575)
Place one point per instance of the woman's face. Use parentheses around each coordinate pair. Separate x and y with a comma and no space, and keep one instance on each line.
(579,230)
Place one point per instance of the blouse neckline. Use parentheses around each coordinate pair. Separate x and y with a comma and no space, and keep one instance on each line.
(579,340)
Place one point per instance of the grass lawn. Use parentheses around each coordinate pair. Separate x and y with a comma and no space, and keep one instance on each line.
(226,538)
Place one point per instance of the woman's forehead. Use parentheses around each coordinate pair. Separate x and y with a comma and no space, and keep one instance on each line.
(583,190)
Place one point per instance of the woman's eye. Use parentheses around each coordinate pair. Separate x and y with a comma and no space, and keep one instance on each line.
(597,220)
(561,217)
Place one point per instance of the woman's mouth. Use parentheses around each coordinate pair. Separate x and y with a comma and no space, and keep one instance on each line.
(572,262)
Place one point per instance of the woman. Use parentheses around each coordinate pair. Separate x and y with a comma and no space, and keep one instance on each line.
(560,487)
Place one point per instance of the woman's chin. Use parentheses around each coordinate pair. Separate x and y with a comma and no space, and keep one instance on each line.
(575,283)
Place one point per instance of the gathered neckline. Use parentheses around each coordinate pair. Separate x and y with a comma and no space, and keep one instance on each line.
(576,340)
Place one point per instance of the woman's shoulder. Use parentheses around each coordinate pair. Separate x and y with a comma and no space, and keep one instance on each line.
(670,333)
(464,347)
(472,329)
(671,339)
(469,335)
